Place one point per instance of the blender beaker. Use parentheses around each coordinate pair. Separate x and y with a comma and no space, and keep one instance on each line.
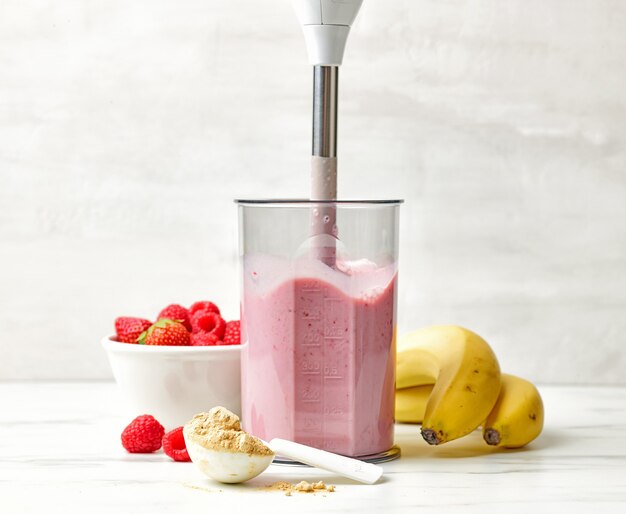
(318,336)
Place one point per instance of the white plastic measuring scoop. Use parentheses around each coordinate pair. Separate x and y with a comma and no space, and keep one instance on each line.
(232,467)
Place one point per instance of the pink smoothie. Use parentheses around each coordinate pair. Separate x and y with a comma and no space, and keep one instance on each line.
(318,363)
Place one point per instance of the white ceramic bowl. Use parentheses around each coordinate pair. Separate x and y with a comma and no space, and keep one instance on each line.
(173,383)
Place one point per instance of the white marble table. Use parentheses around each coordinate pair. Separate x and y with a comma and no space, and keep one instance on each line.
(60,452)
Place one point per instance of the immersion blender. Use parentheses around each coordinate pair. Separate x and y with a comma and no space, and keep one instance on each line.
(326,25)
(318,346)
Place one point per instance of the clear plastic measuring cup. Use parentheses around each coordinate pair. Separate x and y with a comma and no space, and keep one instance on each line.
(318,323)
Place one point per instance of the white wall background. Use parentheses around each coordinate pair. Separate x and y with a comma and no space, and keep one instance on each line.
(127,128)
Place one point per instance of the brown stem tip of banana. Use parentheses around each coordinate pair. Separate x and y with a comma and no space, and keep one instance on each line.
(430,436)
(492,437)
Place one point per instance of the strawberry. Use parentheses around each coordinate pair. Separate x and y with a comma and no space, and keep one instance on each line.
(144,434)
(204,339)
(232,334)
(203,306)
(128,329)
(177,313)
(165,332)
(174,445)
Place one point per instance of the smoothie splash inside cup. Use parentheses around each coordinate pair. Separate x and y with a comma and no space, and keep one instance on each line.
(318,338)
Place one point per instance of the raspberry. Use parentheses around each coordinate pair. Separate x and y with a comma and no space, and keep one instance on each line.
(143,435)
(232,334)
(204,339)
(166,332)
(210,322)
(203,306)
(177,313)
(128,329)
(174,445)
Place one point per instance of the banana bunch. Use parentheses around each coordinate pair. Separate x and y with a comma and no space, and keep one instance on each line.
(448,379)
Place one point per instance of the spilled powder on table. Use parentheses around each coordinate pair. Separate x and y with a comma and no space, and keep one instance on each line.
(301,487)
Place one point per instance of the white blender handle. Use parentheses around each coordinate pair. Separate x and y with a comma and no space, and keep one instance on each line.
(326,25)
(344,466)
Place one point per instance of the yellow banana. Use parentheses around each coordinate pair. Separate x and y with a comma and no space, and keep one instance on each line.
(517,417)
(411,403)
(465,372)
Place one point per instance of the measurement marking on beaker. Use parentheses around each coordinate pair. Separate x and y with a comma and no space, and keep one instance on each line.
(310,395)
(333,377)
(311,338)
(330,371)
(309,328)
(311,424)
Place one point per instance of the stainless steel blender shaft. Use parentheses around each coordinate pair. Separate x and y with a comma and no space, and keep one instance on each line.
(325,81)
(324,159)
